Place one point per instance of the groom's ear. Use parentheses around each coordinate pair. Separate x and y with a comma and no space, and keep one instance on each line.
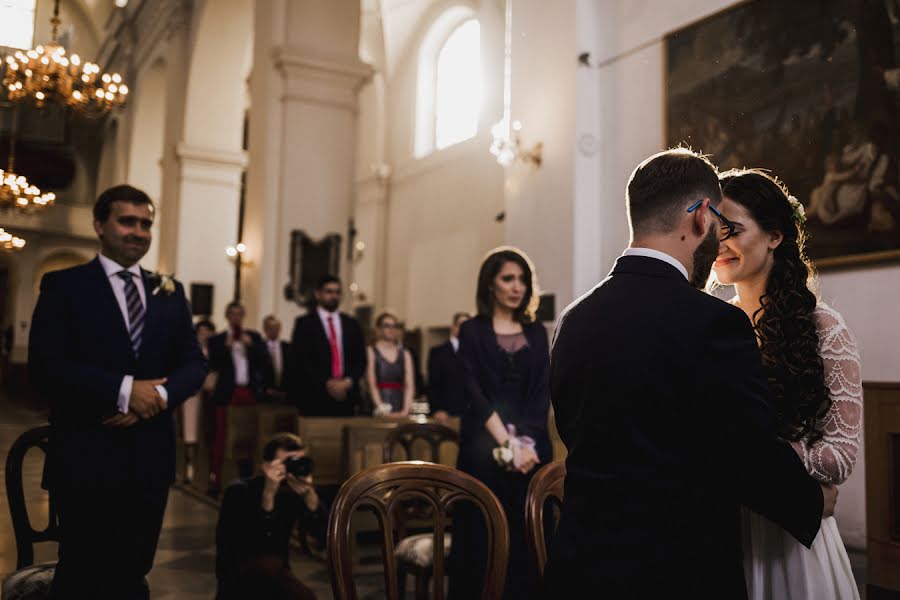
(700,222)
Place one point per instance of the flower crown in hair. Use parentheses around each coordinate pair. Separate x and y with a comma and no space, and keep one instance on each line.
(798,210)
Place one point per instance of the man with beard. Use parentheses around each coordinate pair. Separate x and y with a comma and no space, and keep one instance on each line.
(660,399)
(329,357)
(113,350)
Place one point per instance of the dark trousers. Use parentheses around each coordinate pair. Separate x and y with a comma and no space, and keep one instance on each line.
(108,536)
(264,577)
(241,396)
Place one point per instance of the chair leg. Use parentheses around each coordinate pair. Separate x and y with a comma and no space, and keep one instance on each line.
(421,584)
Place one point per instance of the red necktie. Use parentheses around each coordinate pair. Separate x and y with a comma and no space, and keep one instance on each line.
(335,353)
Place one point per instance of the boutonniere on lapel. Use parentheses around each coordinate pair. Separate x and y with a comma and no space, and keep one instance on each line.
(162,283)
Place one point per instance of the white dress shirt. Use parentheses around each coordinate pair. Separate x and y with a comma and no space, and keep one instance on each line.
(454,341)
(111,268)
(336,320)
(240,362)
(651,253)
(275,352)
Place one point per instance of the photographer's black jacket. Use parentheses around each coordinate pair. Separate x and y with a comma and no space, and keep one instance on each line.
(245,531)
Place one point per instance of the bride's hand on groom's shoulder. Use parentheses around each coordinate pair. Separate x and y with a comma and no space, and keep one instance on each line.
(829,495)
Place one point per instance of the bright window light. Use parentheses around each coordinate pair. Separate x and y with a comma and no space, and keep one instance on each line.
(17,23)
(458,86)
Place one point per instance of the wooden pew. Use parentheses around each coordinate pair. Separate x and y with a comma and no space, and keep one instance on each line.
(882,439)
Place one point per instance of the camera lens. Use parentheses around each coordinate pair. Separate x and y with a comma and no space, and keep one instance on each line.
(299,466)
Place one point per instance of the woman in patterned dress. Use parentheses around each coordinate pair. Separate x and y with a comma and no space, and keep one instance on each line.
(812,364)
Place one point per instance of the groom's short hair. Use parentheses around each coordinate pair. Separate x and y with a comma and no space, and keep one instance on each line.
(664,185)
(119,193)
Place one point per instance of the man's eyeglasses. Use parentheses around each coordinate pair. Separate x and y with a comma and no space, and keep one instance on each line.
(727,226)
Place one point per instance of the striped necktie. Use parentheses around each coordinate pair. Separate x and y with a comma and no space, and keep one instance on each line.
(135,310)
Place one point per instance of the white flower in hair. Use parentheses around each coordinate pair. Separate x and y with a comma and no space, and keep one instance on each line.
(799,211)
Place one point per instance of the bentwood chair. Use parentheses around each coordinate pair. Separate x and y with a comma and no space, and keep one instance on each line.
(415,553)
(386,490)
(29,581)
(546,486)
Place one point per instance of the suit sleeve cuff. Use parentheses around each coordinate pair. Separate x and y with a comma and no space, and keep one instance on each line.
(125,393)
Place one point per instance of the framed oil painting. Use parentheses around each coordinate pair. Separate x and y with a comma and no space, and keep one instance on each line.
(811,92)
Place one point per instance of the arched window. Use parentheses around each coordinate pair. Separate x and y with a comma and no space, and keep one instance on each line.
(17,23)
(449,93)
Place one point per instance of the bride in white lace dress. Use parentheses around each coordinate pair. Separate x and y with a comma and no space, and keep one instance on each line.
(812,364)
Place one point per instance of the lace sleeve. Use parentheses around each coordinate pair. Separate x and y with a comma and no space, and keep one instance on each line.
(831,459)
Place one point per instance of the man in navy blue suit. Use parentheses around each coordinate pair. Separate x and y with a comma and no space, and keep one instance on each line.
(113,350)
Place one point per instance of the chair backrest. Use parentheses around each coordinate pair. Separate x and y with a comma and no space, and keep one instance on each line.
(546,485)
(406,434)
(384,490)
(26,535)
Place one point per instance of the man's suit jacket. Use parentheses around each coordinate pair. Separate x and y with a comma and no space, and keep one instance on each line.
(222,362)
(446,380)
(661,401)
(311,356)
(79,351)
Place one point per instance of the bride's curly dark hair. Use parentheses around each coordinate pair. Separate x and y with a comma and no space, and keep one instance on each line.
(785,322)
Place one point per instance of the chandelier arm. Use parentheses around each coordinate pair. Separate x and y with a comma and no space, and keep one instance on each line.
(13,131)
(55,21)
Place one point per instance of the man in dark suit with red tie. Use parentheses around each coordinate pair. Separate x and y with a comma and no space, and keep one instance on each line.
(113,349)
(329,356)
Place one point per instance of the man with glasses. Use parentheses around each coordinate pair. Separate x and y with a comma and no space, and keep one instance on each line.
(661,401)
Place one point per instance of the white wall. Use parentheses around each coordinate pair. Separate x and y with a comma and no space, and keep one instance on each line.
(437,213)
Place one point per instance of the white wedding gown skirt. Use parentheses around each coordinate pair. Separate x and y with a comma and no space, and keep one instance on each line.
(778,567)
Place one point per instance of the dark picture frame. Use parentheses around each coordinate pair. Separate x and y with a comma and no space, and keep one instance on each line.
(811,92)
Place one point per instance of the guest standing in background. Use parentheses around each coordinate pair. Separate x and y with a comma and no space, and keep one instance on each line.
(239,359)
(279,356)
(389,372)
(193,407)
(329,356)
(446,386)
(503,431)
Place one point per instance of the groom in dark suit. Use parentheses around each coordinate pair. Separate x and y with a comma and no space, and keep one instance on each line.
(660,399)
(113,350)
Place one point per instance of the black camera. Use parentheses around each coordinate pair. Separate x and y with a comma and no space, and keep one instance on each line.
(298,466)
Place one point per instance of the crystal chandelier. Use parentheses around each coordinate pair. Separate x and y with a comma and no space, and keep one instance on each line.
(9,242)
(45,74)
(15,191)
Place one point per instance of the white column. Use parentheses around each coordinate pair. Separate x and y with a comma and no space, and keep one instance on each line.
(209,189)
(304,88)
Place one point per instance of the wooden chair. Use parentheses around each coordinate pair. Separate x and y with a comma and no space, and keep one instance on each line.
(406,435)
(546,485)
(415,553)
(385,490)
(29,581)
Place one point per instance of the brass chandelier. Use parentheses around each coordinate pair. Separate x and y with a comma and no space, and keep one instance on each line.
(15,191)
(9,242)
(45,74)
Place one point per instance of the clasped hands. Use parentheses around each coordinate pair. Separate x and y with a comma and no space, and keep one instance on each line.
(517,454)
(145,402)
(338,388)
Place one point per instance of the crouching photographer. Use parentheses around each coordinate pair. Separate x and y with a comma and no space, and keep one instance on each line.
(256,520)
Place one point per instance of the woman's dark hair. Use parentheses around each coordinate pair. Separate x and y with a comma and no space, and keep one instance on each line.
(490,267)
(386,315)
(785,322)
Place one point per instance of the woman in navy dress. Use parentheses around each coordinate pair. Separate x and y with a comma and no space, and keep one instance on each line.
(506,359)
